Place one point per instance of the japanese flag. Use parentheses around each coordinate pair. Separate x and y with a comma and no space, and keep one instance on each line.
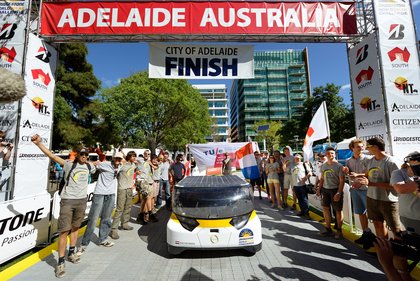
(318,129)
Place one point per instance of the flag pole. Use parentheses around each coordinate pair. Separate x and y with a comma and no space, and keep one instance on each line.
(324,104)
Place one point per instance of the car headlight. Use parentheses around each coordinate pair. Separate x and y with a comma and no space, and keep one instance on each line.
(187,223)
(240,221)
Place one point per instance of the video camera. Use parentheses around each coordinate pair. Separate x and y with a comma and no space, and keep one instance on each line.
(407,246)
(414,157)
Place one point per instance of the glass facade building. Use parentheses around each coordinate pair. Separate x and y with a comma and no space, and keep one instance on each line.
(280,85)
(216,96)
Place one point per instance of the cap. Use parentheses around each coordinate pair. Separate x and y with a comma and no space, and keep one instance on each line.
(412,156)
(297,155)
(119,155)
(83,150)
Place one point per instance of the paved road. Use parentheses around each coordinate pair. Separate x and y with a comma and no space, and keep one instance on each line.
(292,250)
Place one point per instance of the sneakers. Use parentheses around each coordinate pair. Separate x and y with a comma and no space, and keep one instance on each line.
(81,250)
(326,232)
(338,235)
(106,243)
(74,258)
(114,235)
(152,218)
(280,207)
(60,270)
(127,227)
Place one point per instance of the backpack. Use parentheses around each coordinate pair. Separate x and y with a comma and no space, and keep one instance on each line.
(64,182)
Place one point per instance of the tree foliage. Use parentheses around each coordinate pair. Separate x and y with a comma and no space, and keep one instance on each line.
(156,112)
(341,118)
(271,136)
(75,111)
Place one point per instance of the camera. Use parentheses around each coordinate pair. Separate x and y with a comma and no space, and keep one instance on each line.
(407,246)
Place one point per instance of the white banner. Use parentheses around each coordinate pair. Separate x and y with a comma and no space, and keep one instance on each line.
(211,155)
(23,224)
(186,61)
(401,71)
(367,90)
(13,16)
(32,164)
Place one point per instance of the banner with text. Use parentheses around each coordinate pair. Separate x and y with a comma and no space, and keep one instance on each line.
(207,17)
(185,61)
(401,73)
(37,113)
(369,107)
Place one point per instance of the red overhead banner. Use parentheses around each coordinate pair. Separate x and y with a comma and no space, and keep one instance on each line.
(265,18)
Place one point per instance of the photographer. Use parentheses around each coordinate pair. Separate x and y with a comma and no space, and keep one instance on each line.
(5,150)
(406,182)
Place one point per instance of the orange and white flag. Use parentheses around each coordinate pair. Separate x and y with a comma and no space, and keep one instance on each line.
(318,129)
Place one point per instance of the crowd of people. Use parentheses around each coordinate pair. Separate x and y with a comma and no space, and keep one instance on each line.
(153,176)
(380,192)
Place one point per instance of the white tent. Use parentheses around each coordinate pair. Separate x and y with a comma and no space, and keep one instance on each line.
(343,151)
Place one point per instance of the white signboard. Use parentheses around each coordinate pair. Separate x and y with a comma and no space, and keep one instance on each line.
(401,74)
(367,90)
(36,117)
(185,61)
(23,224)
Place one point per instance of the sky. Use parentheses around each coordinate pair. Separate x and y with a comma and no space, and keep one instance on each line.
(327,61)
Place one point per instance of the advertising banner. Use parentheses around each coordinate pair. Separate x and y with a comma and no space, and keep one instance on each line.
(204,17)
(13,17)
(366,85)
(211,155)
(401,73)
(23,224)
(187,61)
(36,118)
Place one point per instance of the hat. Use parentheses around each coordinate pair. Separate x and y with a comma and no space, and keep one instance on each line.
(119,155)
(297,155)
(83,150)
(412,156)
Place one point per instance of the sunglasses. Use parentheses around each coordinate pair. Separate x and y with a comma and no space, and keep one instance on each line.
(83,154)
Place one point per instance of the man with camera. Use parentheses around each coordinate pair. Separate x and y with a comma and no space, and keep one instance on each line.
(5,150)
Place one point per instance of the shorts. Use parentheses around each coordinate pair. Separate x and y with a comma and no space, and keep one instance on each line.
(145,189)
(155,188)
(255,182)
(358,199)
(287,181)
(328,199)
(272,181)
(384,211)
(72,213)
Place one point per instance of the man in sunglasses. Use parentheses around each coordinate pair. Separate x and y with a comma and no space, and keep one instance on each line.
(103,201)
(73,201)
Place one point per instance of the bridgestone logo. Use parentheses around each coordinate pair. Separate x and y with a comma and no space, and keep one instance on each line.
(23,155)
(407,139)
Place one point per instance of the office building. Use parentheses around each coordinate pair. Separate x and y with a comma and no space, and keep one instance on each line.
(280,85)
(216,96)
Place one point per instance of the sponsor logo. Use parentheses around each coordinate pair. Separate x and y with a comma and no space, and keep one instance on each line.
(396,31)
(8,55)
(39,104)
(6,107)
(28,156)
(401,55)
(363,79)
(40,75)
(401,83)
(6,123)
(405,107)
(369,105)
(409,122)
(32,125)
(7,31)
(28,139)
(381,136)
(406,139)
(362,54)
(370,124)
(43,55)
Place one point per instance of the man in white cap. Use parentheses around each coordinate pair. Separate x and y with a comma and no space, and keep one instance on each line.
(103,201)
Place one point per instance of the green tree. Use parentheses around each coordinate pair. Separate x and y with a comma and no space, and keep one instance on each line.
(271,136)
(340,117)
(156,112)
(75,110)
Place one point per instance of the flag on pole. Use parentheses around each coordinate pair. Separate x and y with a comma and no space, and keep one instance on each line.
(318,129)
(247,162)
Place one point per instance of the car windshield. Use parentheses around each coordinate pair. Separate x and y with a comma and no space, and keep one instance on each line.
(213,202)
